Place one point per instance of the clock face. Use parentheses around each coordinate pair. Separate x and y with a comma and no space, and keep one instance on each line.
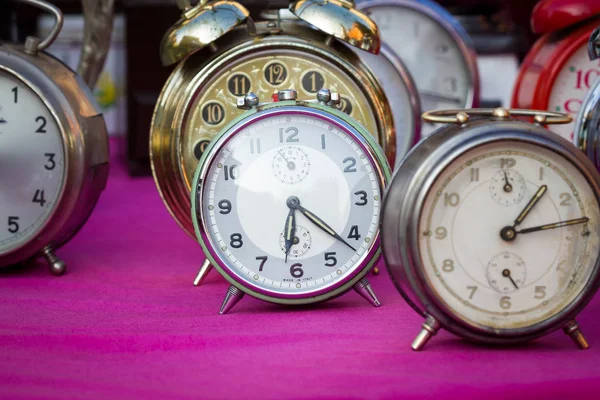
(570,88)
(489,261)
(442,77)
(32,163)
(264,73)
(296,182)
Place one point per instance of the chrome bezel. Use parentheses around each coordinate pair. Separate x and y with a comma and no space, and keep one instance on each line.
(587,125)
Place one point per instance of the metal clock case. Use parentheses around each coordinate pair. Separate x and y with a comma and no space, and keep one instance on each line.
(54,147)
(434,46)
(491,228)
(198,99)
(286,202)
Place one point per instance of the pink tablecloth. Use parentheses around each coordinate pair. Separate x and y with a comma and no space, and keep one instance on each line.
(126,322)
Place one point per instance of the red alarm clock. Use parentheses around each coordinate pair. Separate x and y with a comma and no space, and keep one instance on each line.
(557,72)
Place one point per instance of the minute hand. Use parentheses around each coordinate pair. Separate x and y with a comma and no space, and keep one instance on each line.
(322,225)
(554,225)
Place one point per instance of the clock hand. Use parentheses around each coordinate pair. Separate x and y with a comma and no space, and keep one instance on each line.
(554,225)
(289,231)
(290,164)
(294,202)
(506,274)
(507,186)
(509,233)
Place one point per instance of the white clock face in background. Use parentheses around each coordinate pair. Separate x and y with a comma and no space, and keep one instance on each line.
(508,284)
(247,187)
(32,166)
(431,55)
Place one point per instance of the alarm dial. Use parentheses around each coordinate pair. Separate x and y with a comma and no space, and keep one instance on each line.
(247,207)
(32,163)
(492,271)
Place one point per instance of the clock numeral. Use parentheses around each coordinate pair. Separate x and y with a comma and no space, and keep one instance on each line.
(15,91)
(313,81)
(584,80)
(323,146)
(330,260)
(213,113)
(362,198)
(441,233)
(263,260)
(38,197)
(451,199)
(13,224)
(351,167)
(344,106)
(565,199)
(231,172)
(239,85)
(275,74)
(199,148)
(507,163)
(236,240)
(50,164)
(42,121)
(255,146)
(291,138)
(541,173)
(473,289)
(354,233)
(474,174)
(540,292)
(505,303)
(448,265)
(296,270)
(225,206)
(450,84)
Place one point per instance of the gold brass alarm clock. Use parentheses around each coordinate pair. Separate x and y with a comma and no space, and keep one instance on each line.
(223,54)
(53,151)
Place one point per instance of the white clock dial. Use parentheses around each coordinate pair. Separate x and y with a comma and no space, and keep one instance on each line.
(246,211)
(431,54)
(492,271)
(32,166)
(570,88)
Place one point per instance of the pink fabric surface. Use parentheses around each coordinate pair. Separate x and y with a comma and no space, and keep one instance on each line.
(126,322)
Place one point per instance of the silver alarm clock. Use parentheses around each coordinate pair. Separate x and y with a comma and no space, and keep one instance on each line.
(491,228)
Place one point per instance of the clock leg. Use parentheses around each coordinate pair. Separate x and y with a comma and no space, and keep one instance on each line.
(233,296)
(572,329)
(57,266)
(363,287)
(429,329)
(204,270)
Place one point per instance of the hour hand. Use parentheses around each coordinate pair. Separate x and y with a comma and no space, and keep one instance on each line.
(289,231)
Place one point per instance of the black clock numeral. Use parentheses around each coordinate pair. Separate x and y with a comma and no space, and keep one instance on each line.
(15,91)
(231,172)
(199,148)
(344,106)
(13,224)
(313,81)
(296,270)
(42,121)
(351,167)
(354,233)
(263,260)
(239,85)
(225,206)
(38,197)
(362,201)
(276,74)
(330,260)
(213,113)
(291,137)
(50,164)
(236,240)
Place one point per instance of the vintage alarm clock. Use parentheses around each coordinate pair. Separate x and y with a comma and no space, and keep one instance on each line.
(222,54)
(491,228)
(286,201)
(53,151)
(557,73)
(435,48)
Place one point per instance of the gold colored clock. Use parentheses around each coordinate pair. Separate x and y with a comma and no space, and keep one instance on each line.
(224,54)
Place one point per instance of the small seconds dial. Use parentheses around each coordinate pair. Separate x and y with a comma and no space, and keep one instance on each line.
(305,229)
(32,166)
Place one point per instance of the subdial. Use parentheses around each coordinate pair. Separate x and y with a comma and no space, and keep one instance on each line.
(290,165)
(507,187)
(506,272)
(300,243)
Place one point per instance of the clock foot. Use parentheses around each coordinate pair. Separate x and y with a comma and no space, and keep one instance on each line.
(572,329)
(363,287)
(203,273)
(57,266)
(233,296)
(429,329)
